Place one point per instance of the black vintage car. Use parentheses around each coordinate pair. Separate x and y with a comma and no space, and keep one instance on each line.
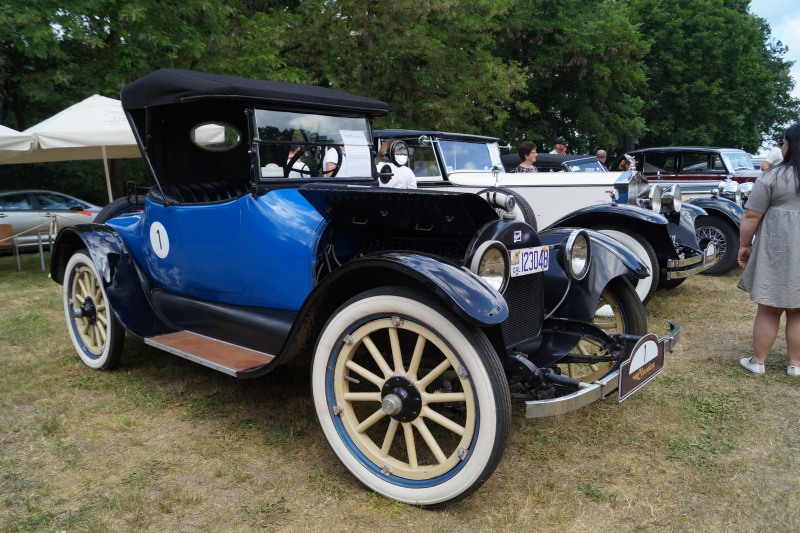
(264,238)
(716,179)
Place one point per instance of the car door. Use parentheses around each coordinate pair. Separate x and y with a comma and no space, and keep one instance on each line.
(195,248)
(18,210)
(699,173)
(68,210)
(660,166)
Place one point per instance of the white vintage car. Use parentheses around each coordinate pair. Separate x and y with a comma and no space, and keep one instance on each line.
(652,223)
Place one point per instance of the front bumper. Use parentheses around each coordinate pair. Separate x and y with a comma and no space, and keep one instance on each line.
(595,391)
(683,268)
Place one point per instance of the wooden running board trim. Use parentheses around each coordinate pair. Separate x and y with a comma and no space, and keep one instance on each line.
(219,355)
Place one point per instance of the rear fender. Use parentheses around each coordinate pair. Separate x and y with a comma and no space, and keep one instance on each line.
(721,207)
(122,279)
(610,260)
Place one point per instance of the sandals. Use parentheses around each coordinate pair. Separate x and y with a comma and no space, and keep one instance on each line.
(793,371)
(758,368)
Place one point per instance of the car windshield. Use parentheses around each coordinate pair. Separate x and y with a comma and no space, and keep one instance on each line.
(475,157)
(327,145)
(737,160)
(421,159)
(586,166)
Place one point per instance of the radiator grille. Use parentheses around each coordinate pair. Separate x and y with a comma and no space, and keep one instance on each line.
(525,308)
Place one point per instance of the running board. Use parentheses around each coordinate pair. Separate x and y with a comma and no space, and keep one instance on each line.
(225,357)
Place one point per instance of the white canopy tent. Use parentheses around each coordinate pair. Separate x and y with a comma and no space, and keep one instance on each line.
(95,128)
(14,143)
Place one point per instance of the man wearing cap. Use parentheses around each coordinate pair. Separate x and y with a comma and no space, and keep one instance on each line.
(774,156)
(560,146)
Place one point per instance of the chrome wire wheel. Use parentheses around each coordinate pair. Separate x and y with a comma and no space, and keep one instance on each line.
(626,315)
(95,332)
(412,400)
(415,452)
(707,234)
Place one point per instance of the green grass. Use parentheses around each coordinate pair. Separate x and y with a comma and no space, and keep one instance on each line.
(162,444)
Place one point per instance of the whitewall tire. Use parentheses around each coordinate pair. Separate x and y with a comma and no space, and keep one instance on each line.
(646,287)
(452,401)
(96,333)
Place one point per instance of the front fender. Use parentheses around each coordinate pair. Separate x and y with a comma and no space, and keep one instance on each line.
(721,207)
(652,226)
(460,289)
(610,260)
(118,271)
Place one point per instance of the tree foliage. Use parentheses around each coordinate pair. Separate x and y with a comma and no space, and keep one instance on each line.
(584,62)
(668,71)
(715,76)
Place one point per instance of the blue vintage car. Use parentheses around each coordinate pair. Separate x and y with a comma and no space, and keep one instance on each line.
(265,237)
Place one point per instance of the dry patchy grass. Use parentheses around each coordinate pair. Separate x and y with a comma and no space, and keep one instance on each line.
(162,444)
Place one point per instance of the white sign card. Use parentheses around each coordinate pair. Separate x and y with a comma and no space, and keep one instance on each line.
(359,159)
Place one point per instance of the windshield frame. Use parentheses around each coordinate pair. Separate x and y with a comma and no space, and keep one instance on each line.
(255,142)
(443,161)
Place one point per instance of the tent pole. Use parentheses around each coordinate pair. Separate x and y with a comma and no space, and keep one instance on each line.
(108,178)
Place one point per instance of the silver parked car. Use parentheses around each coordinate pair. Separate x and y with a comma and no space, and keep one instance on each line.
(25,210)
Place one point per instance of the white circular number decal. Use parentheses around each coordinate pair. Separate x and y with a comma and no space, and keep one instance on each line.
(159,240)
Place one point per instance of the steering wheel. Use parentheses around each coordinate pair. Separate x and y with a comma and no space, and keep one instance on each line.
(319,160)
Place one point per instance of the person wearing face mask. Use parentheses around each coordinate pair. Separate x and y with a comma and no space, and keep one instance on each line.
(771,274)
(527,154)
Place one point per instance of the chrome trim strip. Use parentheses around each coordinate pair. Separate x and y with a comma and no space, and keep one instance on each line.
(558,406)
(708,262)
(680,263)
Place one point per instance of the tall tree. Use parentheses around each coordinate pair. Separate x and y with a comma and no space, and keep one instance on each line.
(432,60)
(715,76)
(584,63)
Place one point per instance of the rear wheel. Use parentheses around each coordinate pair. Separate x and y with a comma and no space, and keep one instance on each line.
(627,316)
(725,238)
(95,332)
(118,207)
(637,244)
(412,400)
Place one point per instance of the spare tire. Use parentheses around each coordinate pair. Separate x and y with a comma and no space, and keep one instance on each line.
(118,207)
(522,207)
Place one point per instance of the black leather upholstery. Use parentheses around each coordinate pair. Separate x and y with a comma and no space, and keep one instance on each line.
(200,193)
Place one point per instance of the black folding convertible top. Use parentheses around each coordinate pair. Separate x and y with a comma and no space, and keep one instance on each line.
(170,86)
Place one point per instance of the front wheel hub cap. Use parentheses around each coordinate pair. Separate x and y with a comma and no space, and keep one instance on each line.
(401,399)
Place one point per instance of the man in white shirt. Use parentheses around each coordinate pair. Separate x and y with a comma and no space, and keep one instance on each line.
(560,146)
(774,156)
(403,178)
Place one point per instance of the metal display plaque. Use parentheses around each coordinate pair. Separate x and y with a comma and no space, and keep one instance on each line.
(645,363)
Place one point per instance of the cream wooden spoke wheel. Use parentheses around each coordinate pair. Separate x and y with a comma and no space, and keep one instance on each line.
(627,316)
(412,401)
(94,330)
